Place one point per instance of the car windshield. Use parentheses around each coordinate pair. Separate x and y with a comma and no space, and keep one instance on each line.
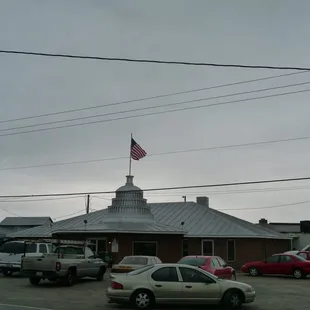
(140,270)
(300,258)
(193,261)
(134,260)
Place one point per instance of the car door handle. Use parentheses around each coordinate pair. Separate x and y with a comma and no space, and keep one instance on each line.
(188,286)
(158,285)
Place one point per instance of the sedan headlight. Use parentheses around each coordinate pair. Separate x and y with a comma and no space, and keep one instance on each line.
(249,289)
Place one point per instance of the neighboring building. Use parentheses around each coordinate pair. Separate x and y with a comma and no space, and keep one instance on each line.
(14,224)
(169,230)
(299,232)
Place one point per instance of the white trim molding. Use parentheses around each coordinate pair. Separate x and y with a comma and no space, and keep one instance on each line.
(207,240)
(133,244)
(234,241)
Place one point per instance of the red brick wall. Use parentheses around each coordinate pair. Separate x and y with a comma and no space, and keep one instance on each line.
(169,247)
(245,249)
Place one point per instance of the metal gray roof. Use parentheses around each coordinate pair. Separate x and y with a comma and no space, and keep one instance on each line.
(123,227)
(199,221)
(25,221)
(286,227)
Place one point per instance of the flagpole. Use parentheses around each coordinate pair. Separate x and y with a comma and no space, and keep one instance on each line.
(130,155)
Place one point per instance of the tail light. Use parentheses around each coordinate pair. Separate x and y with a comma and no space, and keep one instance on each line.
(58,266)
(116,285)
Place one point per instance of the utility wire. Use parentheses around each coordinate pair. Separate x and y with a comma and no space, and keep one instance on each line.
(152,97)
(269,207)
(244,183)
(257,190)
(160,154)
(43,199)
(155,106)
(166,62)
(155,113)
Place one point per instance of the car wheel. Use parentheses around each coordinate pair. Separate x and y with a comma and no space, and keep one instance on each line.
(143,299)
(253,272)
(7,273)
(34,281)
(232,300)
(298,273)
(100,274)
(70,278)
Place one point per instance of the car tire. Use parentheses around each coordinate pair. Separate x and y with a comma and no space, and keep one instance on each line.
(70,278)
(34,281)
(101,273)
(7,273)
(143,299)
(232,300)
(298,273)
(253,272)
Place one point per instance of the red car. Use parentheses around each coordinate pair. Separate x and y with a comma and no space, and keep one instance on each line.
(212,264)
(279,264)
(304,254)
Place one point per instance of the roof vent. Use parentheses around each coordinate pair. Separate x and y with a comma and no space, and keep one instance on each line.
(263,221)
(203,200)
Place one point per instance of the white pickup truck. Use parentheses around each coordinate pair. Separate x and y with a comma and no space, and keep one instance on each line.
(67,263)
(11,253)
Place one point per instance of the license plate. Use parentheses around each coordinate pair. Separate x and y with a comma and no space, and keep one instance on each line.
(124,267)
(39,273)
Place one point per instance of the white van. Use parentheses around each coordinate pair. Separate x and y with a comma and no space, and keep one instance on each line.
(11,253)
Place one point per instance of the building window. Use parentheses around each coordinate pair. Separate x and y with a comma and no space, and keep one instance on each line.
(231,251)
(185,247)
(207,248)
(148,248)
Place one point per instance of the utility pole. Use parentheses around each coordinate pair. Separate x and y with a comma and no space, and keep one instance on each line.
(87,204)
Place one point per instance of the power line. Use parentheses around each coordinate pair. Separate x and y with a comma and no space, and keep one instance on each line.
(160,154)
(155,107)
(164,188)
(34,200)
(151,97)
(74,213)
(269,207)
(155,113)
(258,190)
(166,62)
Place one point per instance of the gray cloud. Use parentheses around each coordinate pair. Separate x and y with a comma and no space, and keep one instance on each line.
(242,32)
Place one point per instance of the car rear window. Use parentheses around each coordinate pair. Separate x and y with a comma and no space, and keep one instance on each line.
(134,260)
(300,258)
(140,270)
(67,250)
(193,261)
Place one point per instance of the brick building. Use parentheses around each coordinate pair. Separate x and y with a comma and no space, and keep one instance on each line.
(131,226)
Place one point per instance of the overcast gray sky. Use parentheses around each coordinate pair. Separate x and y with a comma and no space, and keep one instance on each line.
(248,32)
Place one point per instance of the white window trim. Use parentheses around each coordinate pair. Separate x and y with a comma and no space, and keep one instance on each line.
(133,244)
(229,240)
(207,240)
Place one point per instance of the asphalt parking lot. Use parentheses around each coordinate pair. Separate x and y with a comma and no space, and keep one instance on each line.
(17,294)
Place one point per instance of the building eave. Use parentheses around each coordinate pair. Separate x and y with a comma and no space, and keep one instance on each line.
(113,231)
(238,237)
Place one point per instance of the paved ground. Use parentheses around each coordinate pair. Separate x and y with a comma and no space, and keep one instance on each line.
(17,294)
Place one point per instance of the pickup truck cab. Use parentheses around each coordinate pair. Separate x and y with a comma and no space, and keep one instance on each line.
(11,253)
(67,263)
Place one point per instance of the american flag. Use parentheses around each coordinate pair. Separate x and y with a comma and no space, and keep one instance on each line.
(137,152)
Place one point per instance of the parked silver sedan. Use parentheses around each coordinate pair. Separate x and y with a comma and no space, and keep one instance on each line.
(130,263)
(176,284)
